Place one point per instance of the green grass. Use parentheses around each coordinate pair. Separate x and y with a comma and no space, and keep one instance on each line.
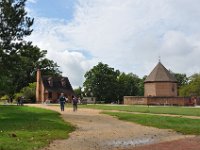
(151,109)
(33,127)
(182,125)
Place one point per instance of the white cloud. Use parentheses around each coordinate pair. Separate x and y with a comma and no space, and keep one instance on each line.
(48,35)
(32,1)
(128,35)
(73,65)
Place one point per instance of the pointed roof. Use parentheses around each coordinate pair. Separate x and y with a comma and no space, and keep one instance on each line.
(57,84)
(160,74)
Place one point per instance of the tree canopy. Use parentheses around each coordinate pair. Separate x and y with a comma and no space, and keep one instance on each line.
(110,85)
(99,80)
(19,59)
(192,88)
(129,85)
(182,79)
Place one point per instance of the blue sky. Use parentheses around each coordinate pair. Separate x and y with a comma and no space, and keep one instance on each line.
(128,35)
(60,9)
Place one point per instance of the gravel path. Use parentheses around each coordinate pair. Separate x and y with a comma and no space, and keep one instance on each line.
(102,132)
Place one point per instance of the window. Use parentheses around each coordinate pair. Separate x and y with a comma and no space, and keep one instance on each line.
(50,81)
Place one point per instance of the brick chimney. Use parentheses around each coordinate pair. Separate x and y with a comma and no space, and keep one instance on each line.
(38,86)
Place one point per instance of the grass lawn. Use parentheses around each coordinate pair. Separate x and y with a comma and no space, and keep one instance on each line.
(27,128)
(151,109)
(182,125)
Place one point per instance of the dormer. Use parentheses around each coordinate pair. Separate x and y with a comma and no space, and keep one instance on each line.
(63,82)
(50,81)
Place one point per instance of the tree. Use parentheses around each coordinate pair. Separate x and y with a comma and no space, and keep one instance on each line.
(109,85)
(29,91)
(49,67)
(19,59)
(192,88)
(141,85)
(14,26)
(31,58)
(78,92)
(129,85)
(185,91)
(101,82)
(182,79)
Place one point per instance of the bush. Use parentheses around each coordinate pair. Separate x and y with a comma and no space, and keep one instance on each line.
(28,93)
(18,95)
(5,97)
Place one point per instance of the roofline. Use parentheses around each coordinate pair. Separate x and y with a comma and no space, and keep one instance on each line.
(169,75)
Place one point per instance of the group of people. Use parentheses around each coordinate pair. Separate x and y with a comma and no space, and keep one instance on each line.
(20,101)
(63,100)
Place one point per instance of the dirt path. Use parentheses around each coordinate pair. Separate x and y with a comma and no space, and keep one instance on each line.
(102,132)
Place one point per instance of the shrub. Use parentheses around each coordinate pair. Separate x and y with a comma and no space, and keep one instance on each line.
(5,97)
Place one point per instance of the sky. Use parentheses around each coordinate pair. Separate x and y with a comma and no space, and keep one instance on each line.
(128,35)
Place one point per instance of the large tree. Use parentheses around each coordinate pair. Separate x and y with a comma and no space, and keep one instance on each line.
(101,82)
(14,26)
(109,85)
(19,59)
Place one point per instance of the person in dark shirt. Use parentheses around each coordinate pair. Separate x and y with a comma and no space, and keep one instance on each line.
(18,101)
(21,101)
(62,100)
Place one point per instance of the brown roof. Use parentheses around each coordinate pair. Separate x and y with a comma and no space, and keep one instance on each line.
(57,84)
(160,74)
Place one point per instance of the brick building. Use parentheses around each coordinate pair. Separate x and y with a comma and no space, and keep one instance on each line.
(49,88)
(160,82)
(160,88)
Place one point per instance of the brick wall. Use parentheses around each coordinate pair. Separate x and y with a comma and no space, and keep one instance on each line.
(177,101)
(149,89)
(135,100)
(160,89)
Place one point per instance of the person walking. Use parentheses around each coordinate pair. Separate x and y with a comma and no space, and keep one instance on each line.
(62,100)
(75,102)
(18,101)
